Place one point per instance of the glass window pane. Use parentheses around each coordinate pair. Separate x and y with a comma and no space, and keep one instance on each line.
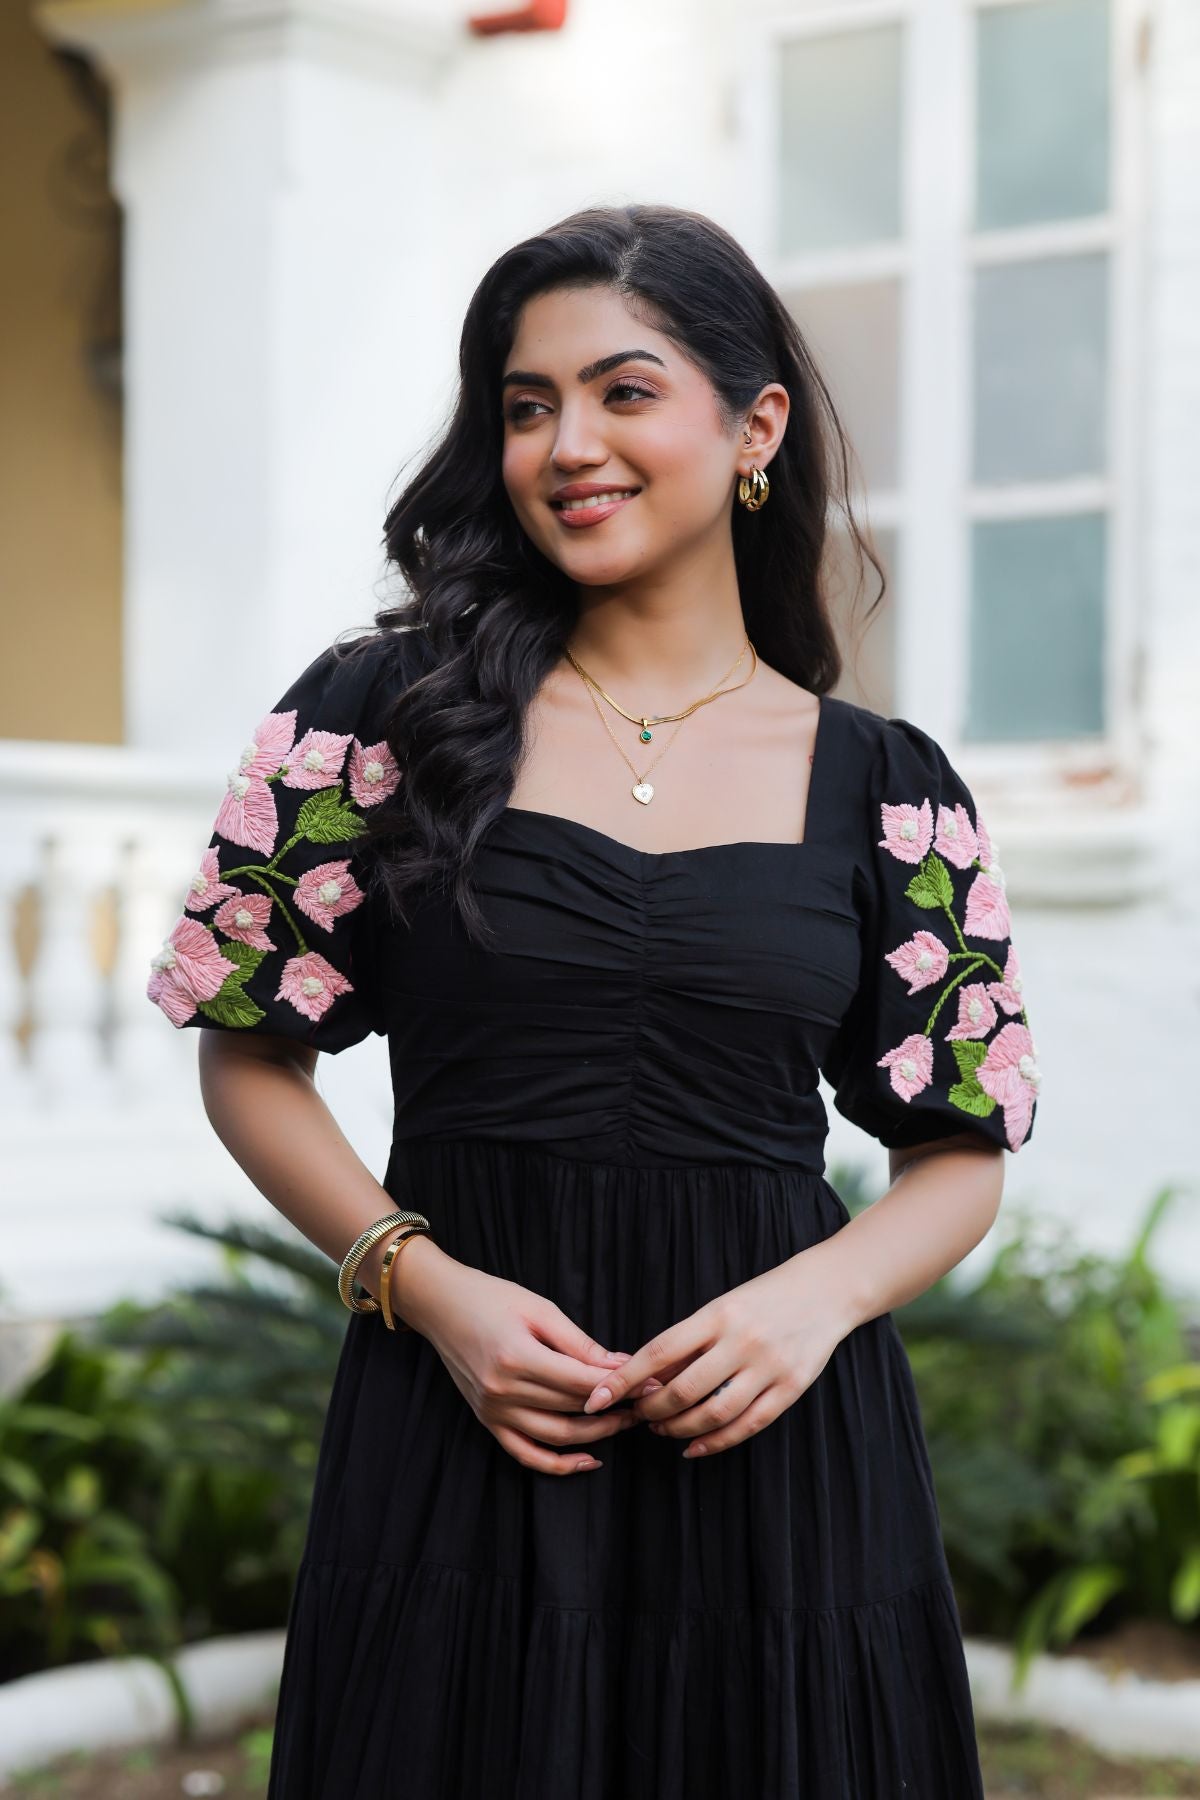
(839,140)
(854,335)
(1037,628)
(1041,354)
(868,646)
(1042,89)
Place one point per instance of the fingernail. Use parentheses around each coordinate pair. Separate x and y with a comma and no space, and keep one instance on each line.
(601,1397)
(616,1356)
(649,1387)
(695,1450)
(589,1462)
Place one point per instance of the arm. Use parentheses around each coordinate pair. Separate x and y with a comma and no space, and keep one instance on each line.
(943,1200)
(260,1099)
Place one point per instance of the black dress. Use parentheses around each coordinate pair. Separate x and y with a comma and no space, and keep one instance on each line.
(617,1107)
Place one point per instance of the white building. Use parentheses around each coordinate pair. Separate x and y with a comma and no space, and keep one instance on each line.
(986,215)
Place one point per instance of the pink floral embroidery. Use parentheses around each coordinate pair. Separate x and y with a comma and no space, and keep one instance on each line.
(328,892)
(245,918)
(311,984)
(374,773)
(316,761)
(206,886)
(1004,1070)
(921,961)
(1009,1073)
(910,1064)
(976,1012)
(956,839)
(907,831)
(194,970)
(189,968)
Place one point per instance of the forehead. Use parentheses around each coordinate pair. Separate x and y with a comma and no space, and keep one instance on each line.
(566,327)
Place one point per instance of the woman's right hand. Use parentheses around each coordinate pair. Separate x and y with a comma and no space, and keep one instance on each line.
(524,1368)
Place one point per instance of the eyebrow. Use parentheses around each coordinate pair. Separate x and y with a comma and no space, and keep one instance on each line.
(589,371)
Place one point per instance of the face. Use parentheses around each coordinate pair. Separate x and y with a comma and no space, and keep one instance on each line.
(606,403)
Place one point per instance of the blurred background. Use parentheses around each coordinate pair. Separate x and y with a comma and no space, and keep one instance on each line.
(239,239)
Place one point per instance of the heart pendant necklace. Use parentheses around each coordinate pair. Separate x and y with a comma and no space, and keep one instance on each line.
(642,790)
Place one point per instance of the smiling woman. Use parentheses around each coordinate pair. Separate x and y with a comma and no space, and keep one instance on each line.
(608,1000)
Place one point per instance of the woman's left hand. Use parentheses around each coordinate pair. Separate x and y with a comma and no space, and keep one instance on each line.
(729,1369)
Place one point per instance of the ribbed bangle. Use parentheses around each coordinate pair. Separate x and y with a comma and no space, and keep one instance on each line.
(385,1275)
(366,1303)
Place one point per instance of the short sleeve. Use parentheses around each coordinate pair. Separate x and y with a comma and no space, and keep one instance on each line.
(274,932)
(937,1039)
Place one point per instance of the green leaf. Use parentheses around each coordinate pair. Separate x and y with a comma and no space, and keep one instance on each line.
(1179,1434)
(20,1529)
(1185,1587)
(325,819)
(931,885)
(232,1007)
(1182,1378)
(1081,1595)
(246,956)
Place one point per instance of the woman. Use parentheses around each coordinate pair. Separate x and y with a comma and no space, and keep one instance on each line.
(608,981)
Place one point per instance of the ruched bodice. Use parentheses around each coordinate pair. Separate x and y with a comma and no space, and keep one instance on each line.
(642,1008)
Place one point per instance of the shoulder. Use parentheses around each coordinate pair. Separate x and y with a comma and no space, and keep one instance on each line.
(353,682)
(891,750)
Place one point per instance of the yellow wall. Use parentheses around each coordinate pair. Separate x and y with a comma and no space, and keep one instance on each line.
(60,429)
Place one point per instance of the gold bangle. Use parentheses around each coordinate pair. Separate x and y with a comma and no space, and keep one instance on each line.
(385,1275)
(366,1303)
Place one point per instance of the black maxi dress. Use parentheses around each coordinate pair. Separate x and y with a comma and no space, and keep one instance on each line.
(617,1108)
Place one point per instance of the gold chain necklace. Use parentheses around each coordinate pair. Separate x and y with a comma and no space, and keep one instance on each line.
(642,790)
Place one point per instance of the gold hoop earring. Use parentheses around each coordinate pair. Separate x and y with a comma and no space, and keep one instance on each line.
(753,489)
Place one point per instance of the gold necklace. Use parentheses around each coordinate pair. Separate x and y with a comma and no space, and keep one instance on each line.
(642,790)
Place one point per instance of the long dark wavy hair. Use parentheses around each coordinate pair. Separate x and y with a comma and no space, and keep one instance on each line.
(490,614)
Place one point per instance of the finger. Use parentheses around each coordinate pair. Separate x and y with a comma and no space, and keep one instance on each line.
(712,1413)
(559,1430)
(557,1374)
(561,1333)
(686,1389)
(677,1344)
(546,1462)
(757,1416)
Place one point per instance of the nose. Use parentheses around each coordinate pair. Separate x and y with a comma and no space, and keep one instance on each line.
(578,445)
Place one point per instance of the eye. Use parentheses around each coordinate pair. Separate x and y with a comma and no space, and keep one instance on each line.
(623,390)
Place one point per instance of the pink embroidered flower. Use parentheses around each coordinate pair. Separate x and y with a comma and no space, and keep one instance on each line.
(374,773)
(188,968)
(910,1065)
(955,839)
(316,761)
(1009,1073)
(206,886)
(976,1013)
(1008,993)
(987,914)
(247,815)
(328,892)
(245,918)
(908,831)
(311,985)
(921,961)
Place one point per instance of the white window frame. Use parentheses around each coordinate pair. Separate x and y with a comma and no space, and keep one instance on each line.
(1038,784)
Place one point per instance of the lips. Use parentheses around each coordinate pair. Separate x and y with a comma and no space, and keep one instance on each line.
(594,509)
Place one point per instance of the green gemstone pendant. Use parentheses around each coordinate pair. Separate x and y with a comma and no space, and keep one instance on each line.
(644,734)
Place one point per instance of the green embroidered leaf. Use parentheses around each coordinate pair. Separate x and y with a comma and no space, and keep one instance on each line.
(968,1054)
(931,885)
(967,1093)
(233,1008)
(246,956)
(326,819)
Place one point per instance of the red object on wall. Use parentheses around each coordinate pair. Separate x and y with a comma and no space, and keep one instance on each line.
(539,15)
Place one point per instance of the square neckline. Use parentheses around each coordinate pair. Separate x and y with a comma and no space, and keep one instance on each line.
(807,842)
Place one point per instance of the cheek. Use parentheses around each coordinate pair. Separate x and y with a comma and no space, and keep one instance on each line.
(519,470)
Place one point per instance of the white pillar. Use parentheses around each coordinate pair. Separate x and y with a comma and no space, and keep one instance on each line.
(278,166)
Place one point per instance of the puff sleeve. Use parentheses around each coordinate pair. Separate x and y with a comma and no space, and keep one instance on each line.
(273,936)
(937,1039)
